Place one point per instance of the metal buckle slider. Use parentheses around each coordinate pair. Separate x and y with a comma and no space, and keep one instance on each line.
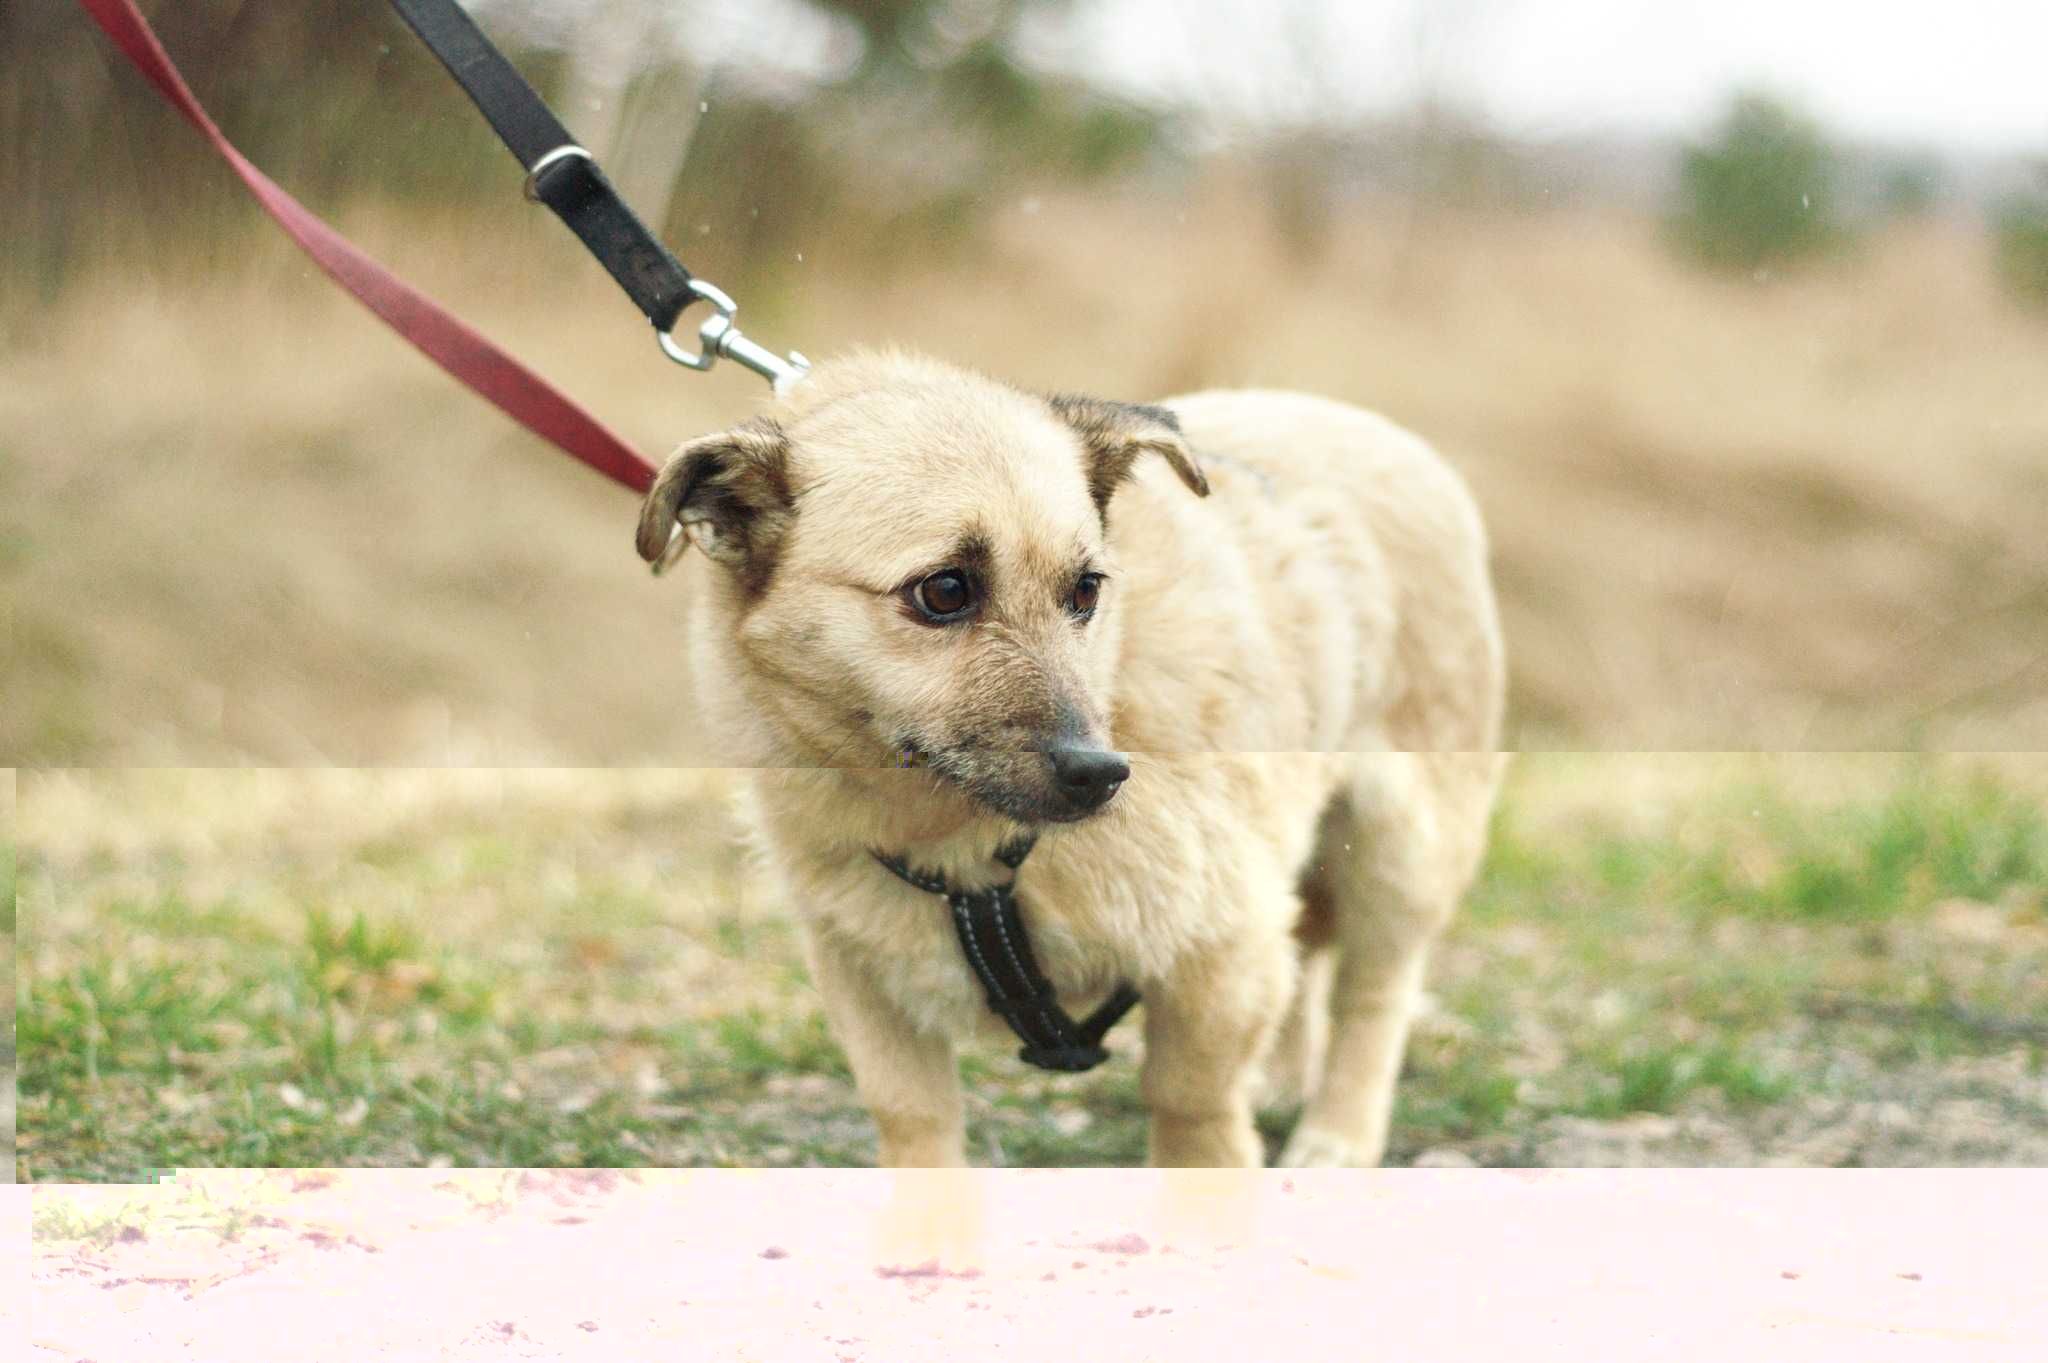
(559,154)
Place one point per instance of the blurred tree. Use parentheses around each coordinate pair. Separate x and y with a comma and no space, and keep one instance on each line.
(2020,241)
(338,101)
(1760,191)
(1312,146)
(954,66)
(331,97)
(1910,186)
(903,148)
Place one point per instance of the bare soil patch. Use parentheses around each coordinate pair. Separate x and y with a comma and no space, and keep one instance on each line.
(1140,1267)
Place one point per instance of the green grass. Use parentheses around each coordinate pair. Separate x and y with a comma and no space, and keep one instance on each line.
(1928,838)
(1659,1079)
(1925,841)
(1469,1097)
(555,989)
(754,1045)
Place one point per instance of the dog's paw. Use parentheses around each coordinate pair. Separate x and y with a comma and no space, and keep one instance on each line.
(1311,1148)
(935,1217)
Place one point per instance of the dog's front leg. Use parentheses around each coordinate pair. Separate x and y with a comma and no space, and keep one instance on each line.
(1207,1026)
(906,1076)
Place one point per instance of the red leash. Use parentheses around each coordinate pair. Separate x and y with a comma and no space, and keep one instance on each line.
(495,376)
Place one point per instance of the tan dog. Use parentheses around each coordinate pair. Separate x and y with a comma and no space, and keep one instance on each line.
(939,610)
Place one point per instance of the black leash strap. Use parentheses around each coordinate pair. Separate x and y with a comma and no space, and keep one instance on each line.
(559,173)
(991,931)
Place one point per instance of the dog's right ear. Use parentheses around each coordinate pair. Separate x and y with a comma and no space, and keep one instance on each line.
(1114,434)
(730,491)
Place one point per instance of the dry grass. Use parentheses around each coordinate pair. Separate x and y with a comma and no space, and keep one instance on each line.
(245,525)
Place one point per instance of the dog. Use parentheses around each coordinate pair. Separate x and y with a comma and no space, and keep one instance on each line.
(1234,659)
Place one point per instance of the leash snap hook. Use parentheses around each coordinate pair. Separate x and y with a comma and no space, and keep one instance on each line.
(719,337)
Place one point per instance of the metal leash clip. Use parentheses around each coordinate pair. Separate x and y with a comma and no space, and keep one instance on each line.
(718,336)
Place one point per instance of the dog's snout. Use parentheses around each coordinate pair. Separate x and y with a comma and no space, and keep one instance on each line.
(1087,777)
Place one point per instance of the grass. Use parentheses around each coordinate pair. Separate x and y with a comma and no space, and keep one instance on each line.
(1927,836)
(1925,841)
(277,969)
(1659,1078)
(8,868)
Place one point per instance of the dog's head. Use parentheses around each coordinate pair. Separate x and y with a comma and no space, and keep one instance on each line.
(913,569)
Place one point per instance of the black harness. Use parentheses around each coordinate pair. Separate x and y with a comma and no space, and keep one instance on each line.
(991,930)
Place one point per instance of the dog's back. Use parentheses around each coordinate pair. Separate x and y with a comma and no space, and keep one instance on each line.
(1331,594)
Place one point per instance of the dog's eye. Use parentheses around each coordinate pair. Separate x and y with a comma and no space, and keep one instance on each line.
(1087,592)
(945,595)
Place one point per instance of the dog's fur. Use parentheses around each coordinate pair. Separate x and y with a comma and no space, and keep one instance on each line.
(1296,646)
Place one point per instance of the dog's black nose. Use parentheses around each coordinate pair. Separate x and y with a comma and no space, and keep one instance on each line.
(1087,777)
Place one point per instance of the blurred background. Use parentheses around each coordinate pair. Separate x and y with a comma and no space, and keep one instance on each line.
(1734,314)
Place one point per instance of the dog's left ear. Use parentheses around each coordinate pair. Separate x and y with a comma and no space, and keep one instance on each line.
(1114,434)
(730,491)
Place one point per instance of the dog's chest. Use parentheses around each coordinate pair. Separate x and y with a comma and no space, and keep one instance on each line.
(1203,851)
(909,941)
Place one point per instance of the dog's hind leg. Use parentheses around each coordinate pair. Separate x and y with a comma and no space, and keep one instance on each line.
(1294,1066)
(1396,855)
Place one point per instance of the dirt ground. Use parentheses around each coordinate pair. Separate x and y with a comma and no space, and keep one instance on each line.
(853,1267)
(14,1262)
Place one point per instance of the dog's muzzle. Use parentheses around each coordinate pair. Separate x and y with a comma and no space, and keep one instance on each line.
(1086,778)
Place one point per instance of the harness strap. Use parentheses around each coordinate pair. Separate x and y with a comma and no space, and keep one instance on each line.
(990,926)
(559,173)
(494,375)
